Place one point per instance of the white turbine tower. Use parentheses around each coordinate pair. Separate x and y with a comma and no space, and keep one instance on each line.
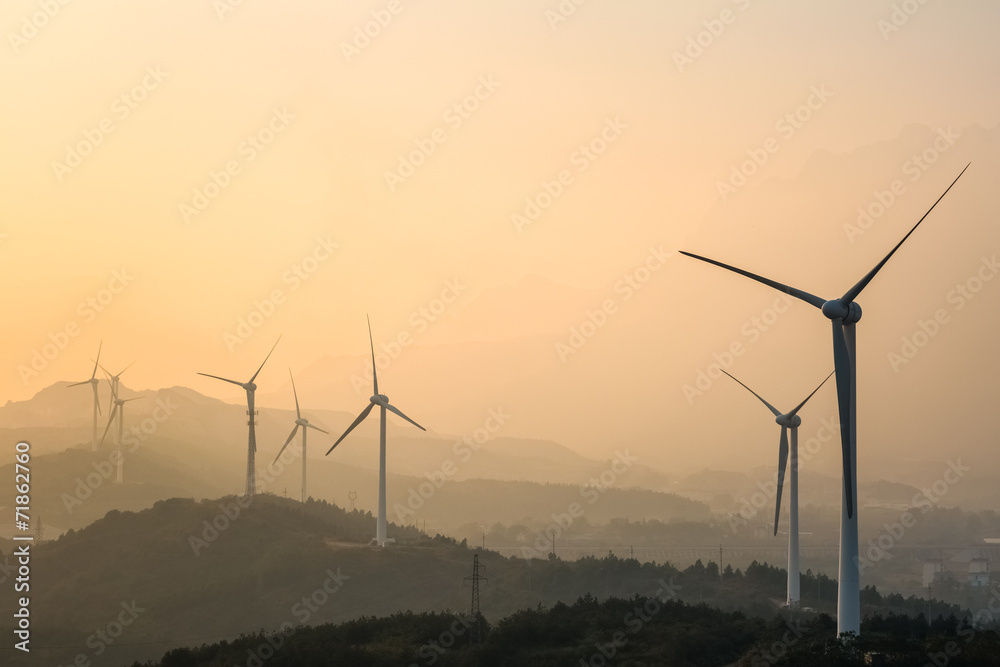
(250,387)
(304,423)
(382,401)
(788,422)
(844,314)
(118,410)
(93,382)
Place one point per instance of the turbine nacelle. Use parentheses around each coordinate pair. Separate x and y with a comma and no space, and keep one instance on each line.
(250,386)
(793,421)
(380,399)
(835,309)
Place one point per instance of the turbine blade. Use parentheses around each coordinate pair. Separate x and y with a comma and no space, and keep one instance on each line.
(77,384)
(770,407)
(134,398)
(317,428)
(97,401)
(298,414)
(238,384)
(791,291)
(799,406)
(392,408)
(782,462)
(842,362)
(372,343)
(111,420)
(294,431)
(853,293)
(265,361)
(361,418)
(99,346)
(127,367)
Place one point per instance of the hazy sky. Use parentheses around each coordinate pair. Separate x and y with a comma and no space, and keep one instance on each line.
(182,163)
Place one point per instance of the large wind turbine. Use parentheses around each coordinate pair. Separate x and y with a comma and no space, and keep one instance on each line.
(304,423)
(250,387)
(382,401)
(113,379)
(93,382)
(844,314)
(788,422)
(119,410)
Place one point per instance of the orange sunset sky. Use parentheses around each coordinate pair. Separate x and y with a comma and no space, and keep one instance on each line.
(186,180)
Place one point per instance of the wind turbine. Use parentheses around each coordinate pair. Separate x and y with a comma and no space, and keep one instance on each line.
(382,401)
(844,314)
(304,423)
(250,388)
(113,379)
(119,410)
(93,382)
(788,422)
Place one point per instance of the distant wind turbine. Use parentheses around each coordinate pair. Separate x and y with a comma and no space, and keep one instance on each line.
(118,410)
(382,401)
(250,387)
(304,423)
(788,422)
(844,314)
(93,382)
(114,379)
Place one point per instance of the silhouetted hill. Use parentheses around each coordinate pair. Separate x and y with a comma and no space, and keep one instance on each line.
(193,572)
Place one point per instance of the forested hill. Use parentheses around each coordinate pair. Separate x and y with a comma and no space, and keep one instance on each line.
(654,630)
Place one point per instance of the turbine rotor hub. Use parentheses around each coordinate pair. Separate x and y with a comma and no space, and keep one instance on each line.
(836,310)
(792,422)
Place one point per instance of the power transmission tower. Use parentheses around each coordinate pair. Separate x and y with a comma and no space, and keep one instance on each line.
(353,497)
(475,637)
